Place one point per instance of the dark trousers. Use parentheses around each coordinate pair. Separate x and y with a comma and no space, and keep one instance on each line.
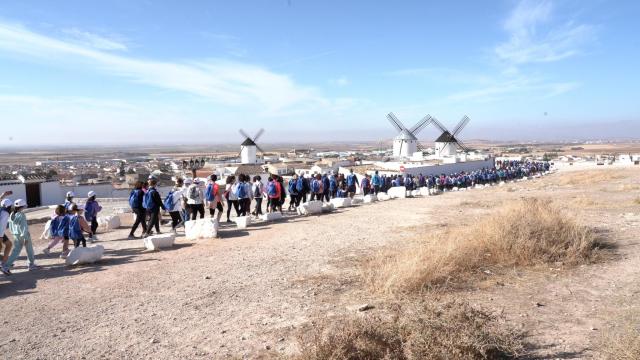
(140,220)
(76,242)
(317,196)
(94,225)
(376,189)
(303,198)
(244,206)
(294,200)
(154,220)
(175,218)
(258,210)
(233,203)
(212,211)
(195,209)
(326,196)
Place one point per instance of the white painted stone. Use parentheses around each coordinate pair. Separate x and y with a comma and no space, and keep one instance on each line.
(399,192)
(370,198)
(46,234)
(341,202)
(328,207)
(122,210)
(424,191)
(501,183)
(383,196)
(106,223)
(85,255)
(201,229)
(271,216)
(357,200)
(243,221)
(156,242)
(415,193)
(310,208)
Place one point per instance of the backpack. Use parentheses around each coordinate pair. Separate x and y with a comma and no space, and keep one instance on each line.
(209,192)
(241,191)
(134,199)
(293,188)
(257,191)
(272,190)
(315,186)
(193,193)
(147,201)
(333,184)
(168,201)
(75,232)
(351,180)
(300,184)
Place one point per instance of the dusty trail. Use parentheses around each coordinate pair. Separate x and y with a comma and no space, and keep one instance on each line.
(252,290)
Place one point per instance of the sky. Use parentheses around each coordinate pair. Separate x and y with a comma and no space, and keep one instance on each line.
(165,72)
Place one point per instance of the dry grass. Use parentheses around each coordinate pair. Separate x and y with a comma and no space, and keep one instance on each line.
(637,201)
(591,177)
(625,346)
(524,233)
(453,330)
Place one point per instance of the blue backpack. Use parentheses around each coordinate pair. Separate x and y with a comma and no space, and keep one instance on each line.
(147,201)
(208,193)
(168,201)
(351,180)
(75,232)
(333,184)
(272,190)
(134,199)
(241,192)
(315,186)
(300,184)
(293,189)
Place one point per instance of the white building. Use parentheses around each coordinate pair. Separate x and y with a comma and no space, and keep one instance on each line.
(405,144)
(248,152)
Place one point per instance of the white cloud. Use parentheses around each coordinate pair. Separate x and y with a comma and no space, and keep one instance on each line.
(94,40)
(530,42)
(341,81)
(520,86)
(224,82)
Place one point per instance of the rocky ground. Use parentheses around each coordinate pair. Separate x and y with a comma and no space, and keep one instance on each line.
(250,292)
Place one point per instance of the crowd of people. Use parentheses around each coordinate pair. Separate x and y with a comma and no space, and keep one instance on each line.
(189,198)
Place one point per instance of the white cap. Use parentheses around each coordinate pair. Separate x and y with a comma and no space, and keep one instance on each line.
(6,203)
(91,193)
(151,177)
(20,203)
(70,194)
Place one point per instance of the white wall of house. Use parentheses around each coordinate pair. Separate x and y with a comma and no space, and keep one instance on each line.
(51,193)
(19,190)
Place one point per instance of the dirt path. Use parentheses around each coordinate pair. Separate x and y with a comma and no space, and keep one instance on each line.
(247,293)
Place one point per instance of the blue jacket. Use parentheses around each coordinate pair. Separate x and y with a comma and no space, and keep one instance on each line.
(60,226)
(91,209)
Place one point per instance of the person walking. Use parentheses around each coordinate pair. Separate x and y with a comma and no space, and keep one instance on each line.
(274,191)
(135,202)
(294,198)
(214,199)
(365,185)
(5,212)
(243,194)
(376,181)
(59,231)
(153,203)
(317,189)
(352,182)
(326,184)
(77,225)
(91,210)
(173,204)
(68,200)
(232,199)
(195,200)
(22,238)
(333,185)
(258,193)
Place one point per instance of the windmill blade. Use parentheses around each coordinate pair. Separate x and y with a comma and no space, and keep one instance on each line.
(419,146)
(244,134)
(421,125)
(395,122)
(258,134)
(260,149)
(439,125)
(462,146)
(400,151)
(240,153)
(463,122)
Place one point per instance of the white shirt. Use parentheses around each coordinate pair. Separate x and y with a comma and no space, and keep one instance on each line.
(177,200)
(232,191)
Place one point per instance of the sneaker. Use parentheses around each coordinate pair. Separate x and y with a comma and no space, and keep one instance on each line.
(5,270)
(94,238)
(46,251)
(33,267)
(132,237)
(64,254)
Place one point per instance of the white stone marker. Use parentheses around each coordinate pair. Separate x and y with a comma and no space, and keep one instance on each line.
(271,216)
(341,202)
(156,242)
(85,255)
(201,229)
(310,208)
(243,221)
(399,192)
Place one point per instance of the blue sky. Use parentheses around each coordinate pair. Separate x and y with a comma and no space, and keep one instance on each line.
(195,71)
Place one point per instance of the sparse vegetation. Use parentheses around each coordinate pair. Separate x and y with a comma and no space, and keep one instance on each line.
(637,201)
(453,330)
(625,346)
(526,232)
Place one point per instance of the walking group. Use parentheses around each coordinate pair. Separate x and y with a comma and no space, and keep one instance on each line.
(70,221)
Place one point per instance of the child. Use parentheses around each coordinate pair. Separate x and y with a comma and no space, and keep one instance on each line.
(59,231)
(5,211)
(77,225)
(20,230)
(91,210)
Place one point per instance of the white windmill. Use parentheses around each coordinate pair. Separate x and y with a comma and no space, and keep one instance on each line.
(448,142)
(406,142)
(248,148)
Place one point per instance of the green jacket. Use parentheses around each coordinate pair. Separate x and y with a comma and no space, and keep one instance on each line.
(18,226)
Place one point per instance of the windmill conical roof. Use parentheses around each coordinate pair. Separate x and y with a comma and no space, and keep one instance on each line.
(446,137)
(405,135)
(248,142)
